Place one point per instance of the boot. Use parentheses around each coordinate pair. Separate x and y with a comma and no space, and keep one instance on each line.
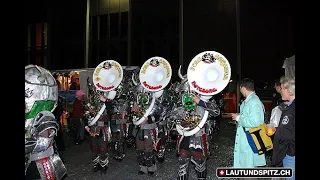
(104,161)
(95,164)
(160,154)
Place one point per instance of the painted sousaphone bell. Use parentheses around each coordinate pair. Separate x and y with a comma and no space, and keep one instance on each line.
(107,76)
(208,74)
(154,76)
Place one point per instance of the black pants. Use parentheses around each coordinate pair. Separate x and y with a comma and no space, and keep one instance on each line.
(60,140)
(32,172)
(76,125)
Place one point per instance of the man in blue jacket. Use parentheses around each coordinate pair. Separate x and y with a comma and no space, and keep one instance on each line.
(251,116)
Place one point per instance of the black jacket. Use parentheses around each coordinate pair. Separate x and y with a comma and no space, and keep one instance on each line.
(276,100)
(284,138)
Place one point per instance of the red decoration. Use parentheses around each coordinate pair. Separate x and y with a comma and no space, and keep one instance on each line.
(203,90)
(104,88)
(151,87)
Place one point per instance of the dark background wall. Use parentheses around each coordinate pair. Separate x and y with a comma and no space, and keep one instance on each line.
(210,25)
(67,19)
(267,33)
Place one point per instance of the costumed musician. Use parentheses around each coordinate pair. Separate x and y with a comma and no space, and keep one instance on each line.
(41,97)
(208,73)
(154,76)
(106,78)
(118,124)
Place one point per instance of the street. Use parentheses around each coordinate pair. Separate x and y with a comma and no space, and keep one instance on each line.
(78,161)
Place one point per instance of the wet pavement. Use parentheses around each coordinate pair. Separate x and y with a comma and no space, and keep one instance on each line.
(78,161)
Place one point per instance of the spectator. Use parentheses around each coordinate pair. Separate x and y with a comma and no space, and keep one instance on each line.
(276,100)
(77,116)
(251,116)
(284,137)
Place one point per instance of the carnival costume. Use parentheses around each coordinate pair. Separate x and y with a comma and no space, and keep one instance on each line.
(106,77)
(154,76)
(208,74)
(118,123)
(41,97)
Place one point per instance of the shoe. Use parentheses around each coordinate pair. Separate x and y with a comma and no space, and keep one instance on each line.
(160,159)
(95,168)
(104,170)
(150,173)
(120,158)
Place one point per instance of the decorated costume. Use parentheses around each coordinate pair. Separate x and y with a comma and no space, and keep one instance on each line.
(154,76)
(208,74)
(118,123)
(41,97)
(106,77)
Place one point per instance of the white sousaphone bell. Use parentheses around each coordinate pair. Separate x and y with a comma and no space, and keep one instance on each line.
(154,76)
(106,77)
(208,74)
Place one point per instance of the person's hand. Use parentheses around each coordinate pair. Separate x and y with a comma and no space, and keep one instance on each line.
(196,99)
(135,108)
(102,98)
(67,115)
(234,116)
(124,114)
(87,129)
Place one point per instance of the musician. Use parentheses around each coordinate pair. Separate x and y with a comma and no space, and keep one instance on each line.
(41,96)
(145,142)
(147,110)
(99,112)
(194,109)
(194,148)
(119,119)
(163,139)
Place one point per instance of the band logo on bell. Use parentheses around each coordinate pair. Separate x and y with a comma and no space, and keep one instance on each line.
(154,63)
(208,58)
(106,65)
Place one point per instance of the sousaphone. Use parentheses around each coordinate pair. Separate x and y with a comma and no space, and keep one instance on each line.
(155,74)
(208,74)
(107,76)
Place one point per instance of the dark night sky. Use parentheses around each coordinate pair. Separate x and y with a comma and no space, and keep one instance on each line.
(268,37)
(267,32)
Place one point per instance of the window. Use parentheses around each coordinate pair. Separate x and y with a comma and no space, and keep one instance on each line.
(37,44)
(104,30)
(124,24)
(114,25)
(94,28)
(123,53)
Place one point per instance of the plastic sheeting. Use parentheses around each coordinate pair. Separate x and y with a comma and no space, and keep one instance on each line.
(289,66)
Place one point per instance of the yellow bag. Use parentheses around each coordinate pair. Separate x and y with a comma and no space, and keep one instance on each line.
(258,140)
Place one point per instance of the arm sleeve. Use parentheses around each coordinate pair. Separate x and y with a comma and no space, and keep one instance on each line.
(251,120)
(153,118)
(211,107)
(108,105)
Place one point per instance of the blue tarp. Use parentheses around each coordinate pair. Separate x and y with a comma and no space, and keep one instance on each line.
(70,95)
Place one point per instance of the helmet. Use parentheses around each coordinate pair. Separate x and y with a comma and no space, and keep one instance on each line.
(41,91)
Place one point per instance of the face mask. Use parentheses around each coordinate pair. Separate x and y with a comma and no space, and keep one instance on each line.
(143,99)
(188,102)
